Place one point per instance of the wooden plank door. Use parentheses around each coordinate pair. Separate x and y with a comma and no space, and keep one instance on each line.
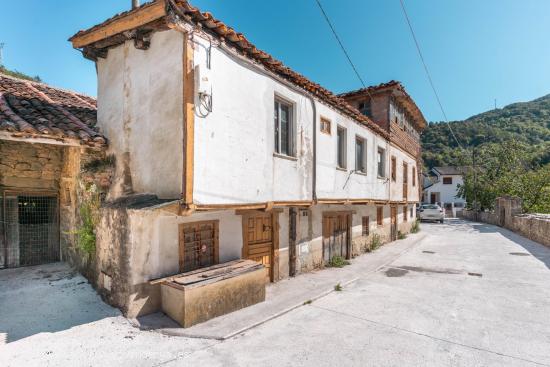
(336,235)
(393,214)
(258,240)
(405,181)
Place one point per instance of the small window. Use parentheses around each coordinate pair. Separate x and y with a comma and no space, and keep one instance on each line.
(284,128)
(366,224)
(404,213)
(341,146)
(365,108)
(360,155)
(381,162)
(380,215)
(414,176)
(393,168)
(405,173)
(447,180)
(325,125)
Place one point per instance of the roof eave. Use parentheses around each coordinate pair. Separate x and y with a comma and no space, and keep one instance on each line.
(120,23)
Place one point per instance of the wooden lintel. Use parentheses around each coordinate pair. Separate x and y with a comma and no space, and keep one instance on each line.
(132,20)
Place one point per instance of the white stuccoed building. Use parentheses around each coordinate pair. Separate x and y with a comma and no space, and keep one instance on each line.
(441,187)
(244,157)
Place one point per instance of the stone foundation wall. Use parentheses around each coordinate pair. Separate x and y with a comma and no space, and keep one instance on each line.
(507,214)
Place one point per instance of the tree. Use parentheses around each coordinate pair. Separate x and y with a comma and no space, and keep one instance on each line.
(507,169)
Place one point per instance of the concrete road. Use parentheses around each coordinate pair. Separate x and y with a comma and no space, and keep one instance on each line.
(467,295)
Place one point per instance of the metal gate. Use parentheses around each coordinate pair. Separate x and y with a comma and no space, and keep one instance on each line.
(29,234)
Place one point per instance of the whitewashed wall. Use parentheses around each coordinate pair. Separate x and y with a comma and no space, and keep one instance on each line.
(140,111)
(447,193)
(333,183)
(234,144)
(396,187)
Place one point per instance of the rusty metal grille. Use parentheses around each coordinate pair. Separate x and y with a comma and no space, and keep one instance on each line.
(30,230)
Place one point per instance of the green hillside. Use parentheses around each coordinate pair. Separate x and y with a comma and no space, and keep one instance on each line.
(527,123)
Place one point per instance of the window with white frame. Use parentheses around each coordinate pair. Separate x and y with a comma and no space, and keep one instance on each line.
(284,128)
(381,161)
(360,154)
(341,147)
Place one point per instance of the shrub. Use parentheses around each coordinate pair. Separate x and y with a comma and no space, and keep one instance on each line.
(338,287)
(415,228)
(401,235)
(338,262)
(375,242)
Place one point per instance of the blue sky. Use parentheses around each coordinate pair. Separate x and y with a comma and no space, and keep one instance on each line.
(477,51)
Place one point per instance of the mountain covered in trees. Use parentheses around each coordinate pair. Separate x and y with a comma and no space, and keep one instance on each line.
(527,123)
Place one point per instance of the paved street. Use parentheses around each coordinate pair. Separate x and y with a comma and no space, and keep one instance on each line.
(465,295)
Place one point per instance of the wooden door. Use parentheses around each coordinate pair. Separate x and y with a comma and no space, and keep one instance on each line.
(393,214)
(336,235)
(198,245)
(432,198)
(405,181)
(258,240)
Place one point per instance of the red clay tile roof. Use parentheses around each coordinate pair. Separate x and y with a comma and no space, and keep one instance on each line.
(35,110)
(217,28)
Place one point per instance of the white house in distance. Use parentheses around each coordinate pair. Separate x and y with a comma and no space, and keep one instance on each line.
(248,159)
(441,187)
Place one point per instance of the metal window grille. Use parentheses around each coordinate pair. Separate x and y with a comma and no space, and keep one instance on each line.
(30,230)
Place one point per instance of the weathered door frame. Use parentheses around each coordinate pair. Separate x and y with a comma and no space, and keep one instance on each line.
(349,214)
(27,192)
(245,214)
(393,222)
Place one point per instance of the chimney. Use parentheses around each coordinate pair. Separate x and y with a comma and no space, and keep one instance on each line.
(135,4)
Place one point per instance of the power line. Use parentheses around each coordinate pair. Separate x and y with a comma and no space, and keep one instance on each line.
(428,72)
(342,47)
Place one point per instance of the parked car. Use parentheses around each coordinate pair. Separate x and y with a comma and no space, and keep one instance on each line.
(431,212)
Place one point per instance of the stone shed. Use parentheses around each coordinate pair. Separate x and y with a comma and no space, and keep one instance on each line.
(48,145)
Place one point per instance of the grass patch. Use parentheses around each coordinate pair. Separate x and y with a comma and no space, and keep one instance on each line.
(338,262)
(338,287)
(375,242)
(308,302)
(401,235)
(99,164)
(415,228)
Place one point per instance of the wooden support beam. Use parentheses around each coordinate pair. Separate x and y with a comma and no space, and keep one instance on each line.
(131,20)
(188,120)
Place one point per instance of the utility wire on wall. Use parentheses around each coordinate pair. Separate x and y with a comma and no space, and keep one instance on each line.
(428,72)
(342,47)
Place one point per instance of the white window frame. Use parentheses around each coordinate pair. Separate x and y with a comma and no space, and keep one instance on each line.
(343,149)
(278,102)
(363,142)
(379,161)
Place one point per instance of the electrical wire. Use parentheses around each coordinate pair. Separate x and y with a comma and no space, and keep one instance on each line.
(428,73)
(342,47)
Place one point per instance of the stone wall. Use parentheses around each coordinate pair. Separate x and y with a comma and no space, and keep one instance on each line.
(508,214)
(30,166)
